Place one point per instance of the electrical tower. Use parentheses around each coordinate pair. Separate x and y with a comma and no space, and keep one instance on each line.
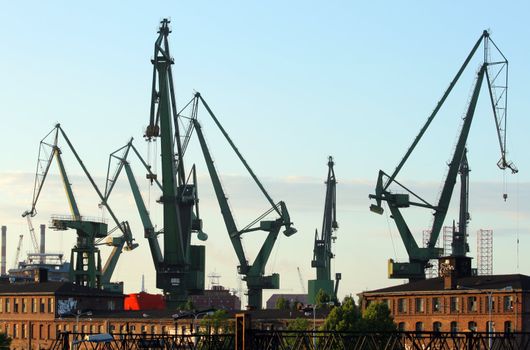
(484,252)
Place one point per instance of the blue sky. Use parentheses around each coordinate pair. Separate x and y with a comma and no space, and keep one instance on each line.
(292,83)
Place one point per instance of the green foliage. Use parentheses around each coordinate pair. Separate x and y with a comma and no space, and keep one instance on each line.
(377,318)
(5,341)
(187,306)
(298,324)
(343,318)
(282,303)
(321,298)
(216,323)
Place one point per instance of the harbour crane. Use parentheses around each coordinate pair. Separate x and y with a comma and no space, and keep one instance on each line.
(181,270)
(253,273)
(150,234)
(495,73)
(85,263)
(322,252)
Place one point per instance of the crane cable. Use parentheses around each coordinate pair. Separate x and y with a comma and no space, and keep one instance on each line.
(390,230)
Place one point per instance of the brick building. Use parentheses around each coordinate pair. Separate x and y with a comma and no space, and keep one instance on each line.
(458,304)
(218,297)
(33,313)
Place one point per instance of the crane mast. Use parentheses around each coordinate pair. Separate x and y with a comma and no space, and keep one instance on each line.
(493,71)
(322,252)
(181,271)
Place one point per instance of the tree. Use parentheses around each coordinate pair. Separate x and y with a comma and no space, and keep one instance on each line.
(343,318)
(5,341)
(282,303)
(216,322)
(321,298)
(377,318)
(187,306)
(298,324)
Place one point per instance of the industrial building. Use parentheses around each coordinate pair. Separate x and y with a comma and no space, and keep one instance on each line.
(497,303)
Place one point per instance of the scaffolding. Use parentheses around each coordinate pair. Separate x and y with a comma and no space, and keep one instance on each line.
(484,252)
(432,270)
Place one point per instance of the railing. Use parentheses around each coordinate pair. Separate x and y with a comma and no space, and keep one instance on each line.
(303,340)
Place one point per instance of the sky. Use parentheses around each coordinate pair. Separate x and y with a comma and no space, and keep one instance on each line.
(292,83)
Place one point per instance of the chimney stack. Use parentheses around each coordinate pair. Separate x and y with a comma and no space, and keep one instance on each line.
(42,242)
(3,263)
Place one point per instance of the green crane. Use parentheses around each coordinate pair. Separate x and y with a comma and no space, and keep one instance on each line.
(181,270)
(253,273)
(322,253)
(494,72)
(85,267)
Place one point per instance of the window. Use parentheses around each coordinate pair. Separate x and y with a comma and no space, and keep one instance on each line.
(42,306)
(508,303)
(402,305)
(490,302)
(111,328)
(100,329)
(50,306)
(508,327)
(419,326)
(472,326)
(401,327)
(143,329)
(455,304)
(1,305)
(490,326)
(164,330)
(66,327)
(57,331)
(436,305)
(437,326)
(92,328)
(15,331)
(8,305)
(49,331)
(33,305)
(419,302)
(454,327)
(84,328)
(472,304)
(24,305)
(24,331)
(153,329)
(41,331)
(15,305)
(111,305)
(132,328)
(123,328)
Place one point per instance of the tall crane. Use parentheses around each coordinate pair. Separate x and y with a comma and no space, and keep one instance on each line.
(179,193)
(150,234)
(253,273)
(322,252)
(85,263)
(496,74)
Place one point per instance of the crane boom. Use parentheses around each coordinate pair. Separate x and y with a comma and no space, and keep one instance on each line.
(254,273)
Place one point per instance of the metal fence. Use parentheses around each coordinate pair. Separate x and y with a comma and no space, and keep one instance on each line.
(303,340)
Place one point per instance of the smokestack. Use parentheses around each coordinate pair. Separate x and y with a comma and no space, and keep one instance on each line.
(3,263)
(42,239)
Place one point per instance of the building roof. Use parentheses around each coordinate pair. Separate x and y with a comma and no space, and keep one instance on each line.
(52,287)
(515,281)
